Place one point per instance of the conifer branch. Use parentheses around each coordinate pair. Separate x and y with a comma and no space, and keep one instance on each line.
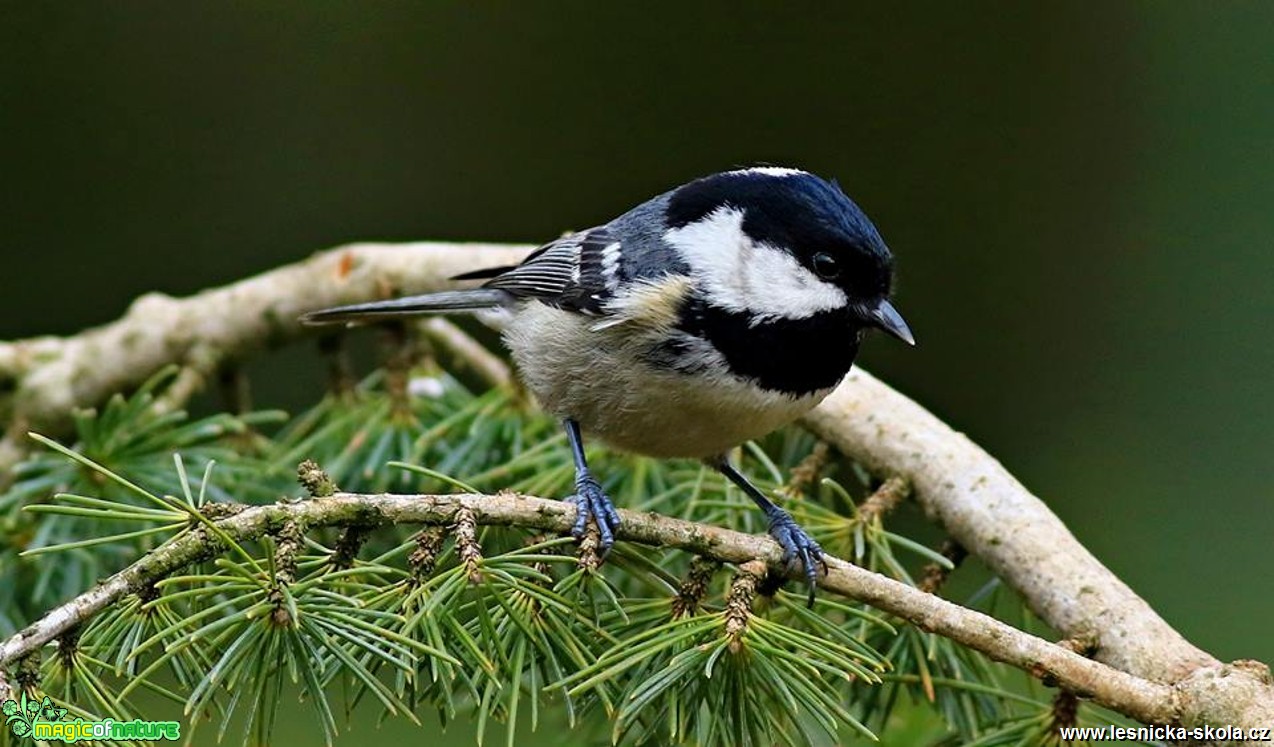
(1135,697)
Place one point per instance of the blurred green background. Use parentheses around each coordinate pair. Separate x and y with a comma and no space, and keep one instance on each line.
(1079,195)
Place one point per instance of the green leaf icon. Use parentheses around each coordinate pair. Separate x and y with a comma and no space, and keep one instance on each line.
(50,712)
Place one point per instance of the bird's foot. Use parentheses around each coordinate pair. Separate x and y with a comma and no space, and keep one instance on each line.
(797,545)
(591,503)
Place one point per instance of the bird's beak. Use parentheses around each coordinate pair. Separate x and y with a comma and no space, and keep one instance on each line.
(884,316)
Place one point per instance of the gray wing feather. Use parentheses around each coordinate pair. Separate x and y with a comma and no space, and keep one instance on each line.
(429,303)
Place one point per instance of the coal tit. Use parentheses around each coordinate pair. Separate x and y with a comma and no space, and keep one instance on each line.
(705,317)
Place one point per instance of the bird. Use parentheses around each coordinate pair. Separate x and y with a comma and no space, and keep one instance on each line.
(705,317)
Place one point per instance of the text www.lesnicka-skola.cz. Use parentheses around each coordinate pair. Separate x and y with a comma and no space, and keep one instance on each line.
(1114,733)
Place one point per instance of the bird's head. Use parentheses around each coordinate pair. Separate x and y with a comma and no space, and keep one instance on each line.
(784,244)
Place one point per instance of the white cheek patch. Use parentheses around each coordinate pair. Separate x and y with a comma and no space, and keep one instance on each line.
(742,275)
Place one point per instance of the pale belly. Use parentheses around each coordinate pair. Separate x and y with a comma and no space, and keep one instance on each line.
(598,379)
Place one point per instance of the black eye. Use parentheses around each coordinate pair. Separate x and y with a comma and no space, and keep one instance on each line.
(826,267)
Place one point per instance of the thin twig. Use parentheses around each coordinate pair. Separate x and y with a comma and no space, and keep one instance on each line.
(423,559)
(808,471)
(340,374)
(465,530)
(315,479)
(694,587)
(934,575)
(14,447)
(738,601)
(198,364)
(466,351)
(236,389)
(884,500)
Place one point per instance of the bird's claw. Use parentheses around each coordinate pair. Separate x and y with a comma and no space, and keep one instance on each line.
(797,544)
(591,502)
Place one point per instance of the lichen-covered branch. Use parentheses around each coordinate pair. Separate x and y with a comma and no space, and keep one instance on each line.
(1138,698)
(989,512)
(43,379)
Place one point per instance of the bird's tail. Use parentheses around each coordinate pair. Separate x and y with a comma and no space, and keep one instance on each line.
(430,303)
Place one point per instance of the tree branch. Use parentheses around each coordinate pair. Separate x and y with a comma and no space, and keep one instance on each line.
(986,509)
(993,515)
(43,379)
(978,501)
(1135,697)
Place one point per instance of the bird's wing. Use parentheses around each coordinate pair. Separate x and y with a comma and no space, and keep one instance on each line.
(577,272)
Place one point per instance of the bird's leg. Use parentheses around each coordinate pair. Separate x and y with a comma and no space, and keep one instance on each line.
(589,500)
(796,543)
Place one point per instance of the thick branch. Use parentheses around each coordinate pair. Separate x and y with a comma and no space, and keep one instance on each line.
(1140,699)
(50,376)
(989,512)
(986,509)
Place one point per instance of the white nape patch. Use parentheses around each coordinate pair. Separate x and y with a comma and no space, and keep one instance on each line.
(742,275)
(770,171)
(610,265)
